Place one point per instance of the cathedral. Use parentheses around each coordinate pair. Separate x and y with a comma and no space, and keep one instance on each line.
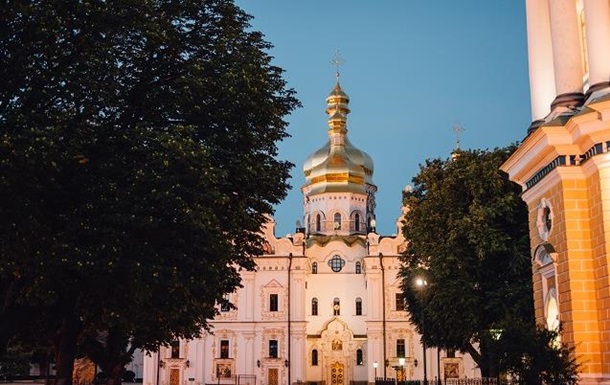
(324,305)
(563,166)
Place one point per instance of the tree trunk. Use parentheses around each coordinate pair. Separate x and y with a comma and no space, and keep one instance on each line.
(480,358)
(114,374)
(65,350)
(111,354)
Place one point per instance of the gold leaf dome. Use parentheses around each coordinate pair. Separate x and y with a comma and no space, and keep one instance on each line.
(338,165)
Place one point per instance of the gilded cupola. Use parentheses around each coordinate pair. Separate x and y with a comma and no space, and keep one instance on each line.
(338,166)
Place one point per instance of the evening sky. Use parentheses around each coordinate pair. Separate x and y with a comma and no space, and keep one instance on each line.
(412,69)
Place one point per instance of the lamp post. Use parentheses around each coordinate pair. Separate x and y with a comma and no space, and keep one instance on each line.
(421,284)
(375,366)
(401,362)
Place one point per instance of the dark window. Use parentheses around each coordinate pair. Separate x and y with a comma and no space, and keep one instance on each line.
(273,302)
(175,349)
(336,263)
(358,306)
(357,222)
(358,268)
(273,348)
(336,307)
(400,347)
(400,302)
(318,223)
(225,306)
(314,306)
(224,348)
(359,357)
(337,221)
(314,357)
(314,268)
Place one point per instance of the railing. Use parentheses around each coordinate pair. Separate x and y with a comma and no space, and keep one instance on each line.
(449,381)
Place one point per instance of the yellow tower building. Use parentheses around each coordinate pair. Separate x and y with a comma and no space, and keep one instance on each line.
(563,166)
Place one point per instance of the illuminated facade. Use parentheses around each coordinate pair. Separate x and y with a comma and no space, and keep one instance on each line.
(563,166)
(324,304)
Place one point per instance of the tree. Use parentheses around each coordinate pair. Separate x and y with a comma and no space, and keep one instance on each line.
(137,164)
(468,237)
(535,356)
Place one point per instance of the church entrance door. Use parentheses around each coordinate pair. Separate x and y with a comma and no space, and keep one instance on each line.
(174,377)
(273,376)
(336,374)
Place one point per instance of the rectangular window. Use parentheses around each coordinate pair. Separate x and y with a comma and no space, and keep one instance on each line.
(358,306)
(400,302)
(273,348)
(400,347)
(273,302)
(224,349)
(175,349)
(225,306)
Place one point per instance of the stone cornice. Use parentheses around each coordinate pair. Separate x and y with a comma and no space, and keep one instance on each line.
(582,137)
(538,150)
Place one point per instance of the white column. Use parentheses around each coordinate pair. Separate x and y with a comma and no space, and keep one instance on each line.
(150,368)
(566,47)
(540,58)
(597,25)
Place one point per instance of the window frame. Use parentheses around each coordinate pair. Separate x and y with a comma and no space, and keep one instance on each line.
(274,349)
(274,302)
(225,348)
(314,306)
(401,347)
(399,302)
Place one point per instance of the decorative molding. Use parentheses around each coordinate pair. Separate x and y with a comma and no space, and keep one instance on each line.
(568,160)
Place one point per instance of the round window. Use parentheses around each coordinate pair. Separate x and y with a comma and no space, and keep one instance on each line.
(336,263)
(544,222)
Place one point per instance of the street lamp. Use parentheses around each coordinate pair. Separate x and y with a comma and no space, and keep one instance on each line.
(375,365)
(401,362)
(421,284)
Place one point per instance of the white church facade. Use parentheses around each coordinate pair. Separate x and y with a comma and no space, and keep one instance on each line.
(324,306)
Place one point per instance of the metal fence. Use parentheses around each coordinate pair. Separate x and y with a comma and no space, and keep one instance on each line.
(449,381)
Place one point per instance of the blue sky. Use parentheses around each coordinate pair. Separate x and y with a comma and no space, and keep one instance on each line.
(413,68)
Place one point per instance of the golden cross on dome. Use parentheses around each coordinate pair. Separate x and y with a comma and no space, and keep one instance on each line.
(457,129)
(337,61)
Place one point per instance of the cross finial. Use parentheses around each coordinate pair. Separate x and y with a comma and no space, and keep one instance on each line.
(457,129)
(337,61)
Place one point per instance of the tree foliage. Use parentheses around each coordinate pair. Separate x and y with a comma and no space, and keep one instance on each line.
(468,238)
(137,163)
(536,356)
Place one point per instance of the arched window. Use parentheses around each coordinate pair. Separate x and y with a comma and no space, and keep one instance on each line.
(357,222)
(358,306)
(336,306)
(318,223)
(359,357)
(314,268)
(358,268)
(337,221)
(314,357)
(314,306)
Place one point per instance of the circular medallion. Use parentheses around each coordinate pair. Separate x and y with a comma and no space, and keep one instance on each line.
(544,221)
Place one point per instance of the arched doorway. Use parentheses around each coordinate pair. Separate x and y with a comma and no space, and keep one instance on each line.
(337,373)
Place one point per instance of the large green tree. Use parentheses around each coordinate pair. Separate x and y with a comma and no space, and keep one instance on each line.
(468,238)
(138,161)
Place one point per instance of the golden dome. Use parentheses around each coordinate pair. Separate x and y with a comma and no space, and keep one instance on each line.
(338,165)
